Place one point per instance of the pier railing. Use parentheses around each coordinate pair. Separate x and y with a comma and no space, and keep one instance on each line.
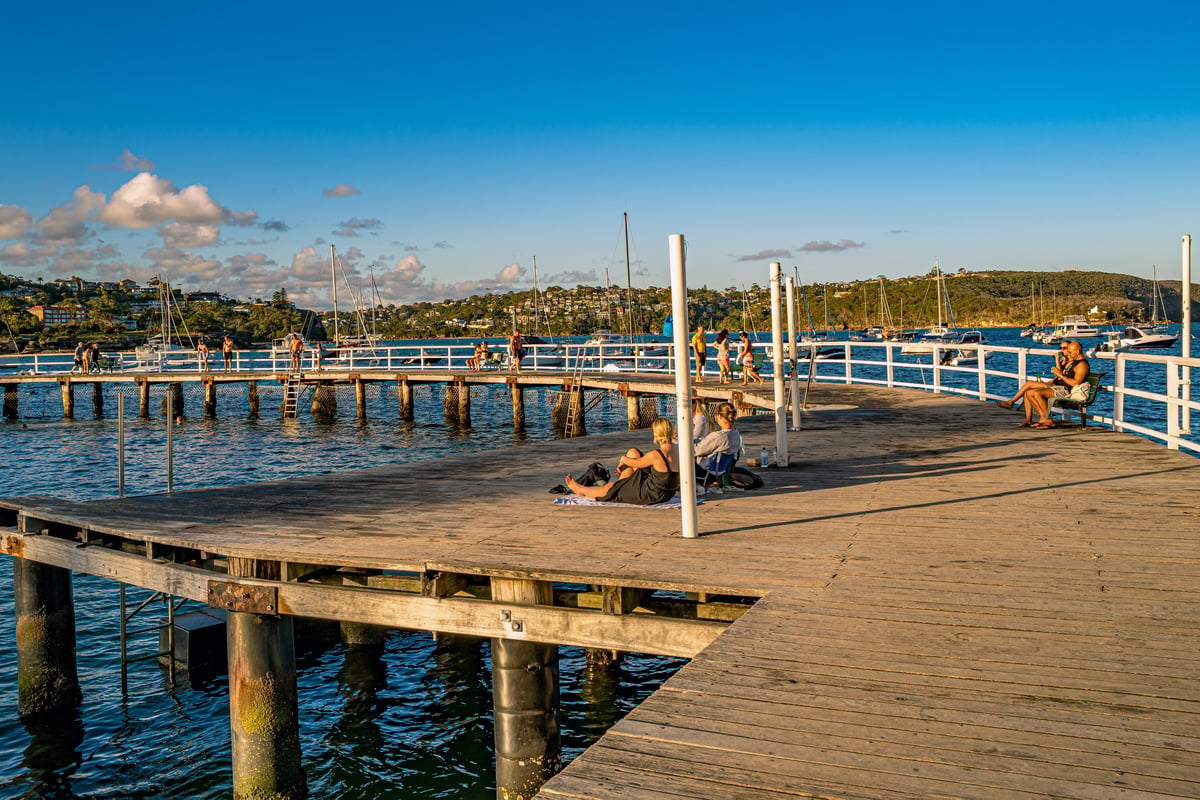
(1146,394)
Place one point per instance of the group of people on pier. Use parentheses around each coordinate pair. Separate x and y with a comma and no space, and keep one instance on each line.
(1070,382)
(745,357)
(653,477)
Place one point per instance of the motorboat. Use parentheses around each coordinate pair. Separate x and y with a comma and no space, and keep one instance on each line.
(1137,337)
(968,340)
(541,353)
(1074,326)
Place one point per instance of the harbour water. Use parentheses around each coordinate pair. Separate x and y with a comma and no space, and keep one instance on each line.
(419,726)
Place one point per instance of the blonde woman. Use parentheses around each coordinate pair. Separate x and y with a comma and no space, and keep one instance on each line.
(642,479)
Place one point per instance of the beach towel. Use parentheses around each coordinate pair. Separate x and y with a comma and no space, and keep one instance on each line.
(577,500)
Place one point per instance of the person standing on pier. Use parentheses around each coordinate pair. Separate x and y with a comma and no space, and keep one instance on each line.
(202,355)
(749,371)
(516,350)
(723,362)
(227,352)
(86,355)
(296,348)
(78,358)
(700,350)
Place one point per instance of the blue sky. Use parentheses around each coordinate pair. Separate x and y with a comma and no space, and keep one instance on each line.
(228,145)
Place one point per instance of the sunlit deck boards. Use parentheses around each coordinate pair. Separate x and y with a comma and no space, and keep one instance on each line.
(951,607)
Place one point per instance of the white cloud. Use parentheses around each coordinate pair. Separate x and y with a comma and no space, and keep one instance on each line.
(20,254)
(186,234)
(14,220)
(183,267)
(128,162)
(147,200)
(66,224)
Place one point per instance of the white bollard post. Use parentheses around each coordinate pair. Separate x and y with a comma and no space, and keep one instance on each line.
(1186,336)
(791,320)
(683,388)
(781,447)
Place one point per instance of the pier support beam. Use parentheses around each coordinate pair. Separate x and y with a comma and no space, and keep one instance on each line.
(358,634)
(68,397)
(633,412)
(404,396)
(98,399)
(47,680)
(210,398)
(450,404)
(176,392)
(263,708)
(10,400)
(143,398)
(524,699)
(518,405)
(324,402)
(463,391)
(252,398)
(360,399)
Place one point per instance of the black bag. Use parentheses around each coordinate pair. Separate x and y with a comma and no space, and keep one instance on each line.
(745,479)
(594,475)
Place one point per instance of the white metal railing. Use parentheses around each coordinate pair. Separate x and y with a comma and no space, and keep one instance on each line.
(1139,389)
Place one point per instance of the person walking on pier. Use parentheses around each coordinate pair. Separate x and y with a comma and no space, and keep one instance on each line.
(723,362)
(516,350)
(700,350)
(78,359)
(94,357)
(749,370)
(227,353)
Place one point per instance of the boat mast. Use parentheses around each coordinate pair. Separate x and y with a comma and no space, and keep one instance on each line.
(537,318)
(937,276)
(333,277)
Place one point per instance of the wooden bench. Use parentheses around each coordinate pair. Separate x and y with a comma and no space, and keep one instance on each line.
(1093,380)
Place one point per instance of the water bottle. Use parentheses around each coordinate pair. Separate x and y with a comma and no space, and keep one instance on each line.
(762,458)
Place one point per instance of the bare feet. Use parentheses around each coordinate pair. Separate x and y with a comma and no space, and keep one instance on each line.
(1004,403)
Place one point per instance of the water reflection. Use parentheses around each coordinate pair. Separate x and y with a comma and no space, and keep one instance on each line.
(52,755)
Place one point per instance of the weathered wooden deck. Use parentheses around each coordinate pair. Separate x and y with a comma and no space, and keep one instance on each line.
(950,606)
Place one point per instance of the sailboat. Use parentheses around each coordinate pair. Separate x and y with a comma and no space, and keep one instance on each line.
(940,335)
(1158,324)
(161,350)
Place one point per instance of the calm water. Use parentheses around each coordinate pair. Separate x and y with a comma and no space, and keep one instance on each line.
(416,725)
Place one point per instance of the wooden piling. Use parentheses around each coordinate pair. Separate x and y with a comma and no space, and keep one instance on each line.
(464,403)
(68,397)
(358,634)
(98,399)
(252,398)
(633,412)
(404,396)
(143,398)
(518,404)
(10,400)
(524,698)
(263,706)
(47,680)
(210,398)
(360,398)
(450,404)
(324,402)
(176,392)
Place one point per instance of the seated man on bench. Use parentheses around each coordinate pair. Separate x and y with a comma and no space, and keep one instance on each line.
(717,452)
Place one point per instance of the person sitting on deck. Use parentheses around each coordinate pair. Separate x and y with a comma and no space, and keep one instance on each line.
(717,451)
(480,358)
(643,479)
(1070,381)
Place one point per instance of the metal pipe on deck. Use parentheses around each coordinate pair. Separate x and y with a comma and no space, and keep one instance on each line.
(524,698)
(781,444)
(47,679)
(791,323)
(1186,334)
(683,387)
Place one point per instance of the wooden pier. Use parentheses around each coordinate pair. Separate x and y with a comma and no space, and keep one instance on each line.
(929,602)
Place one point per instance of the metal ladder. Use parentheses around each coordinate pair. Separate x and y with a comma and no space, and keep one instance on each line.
(293,387)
